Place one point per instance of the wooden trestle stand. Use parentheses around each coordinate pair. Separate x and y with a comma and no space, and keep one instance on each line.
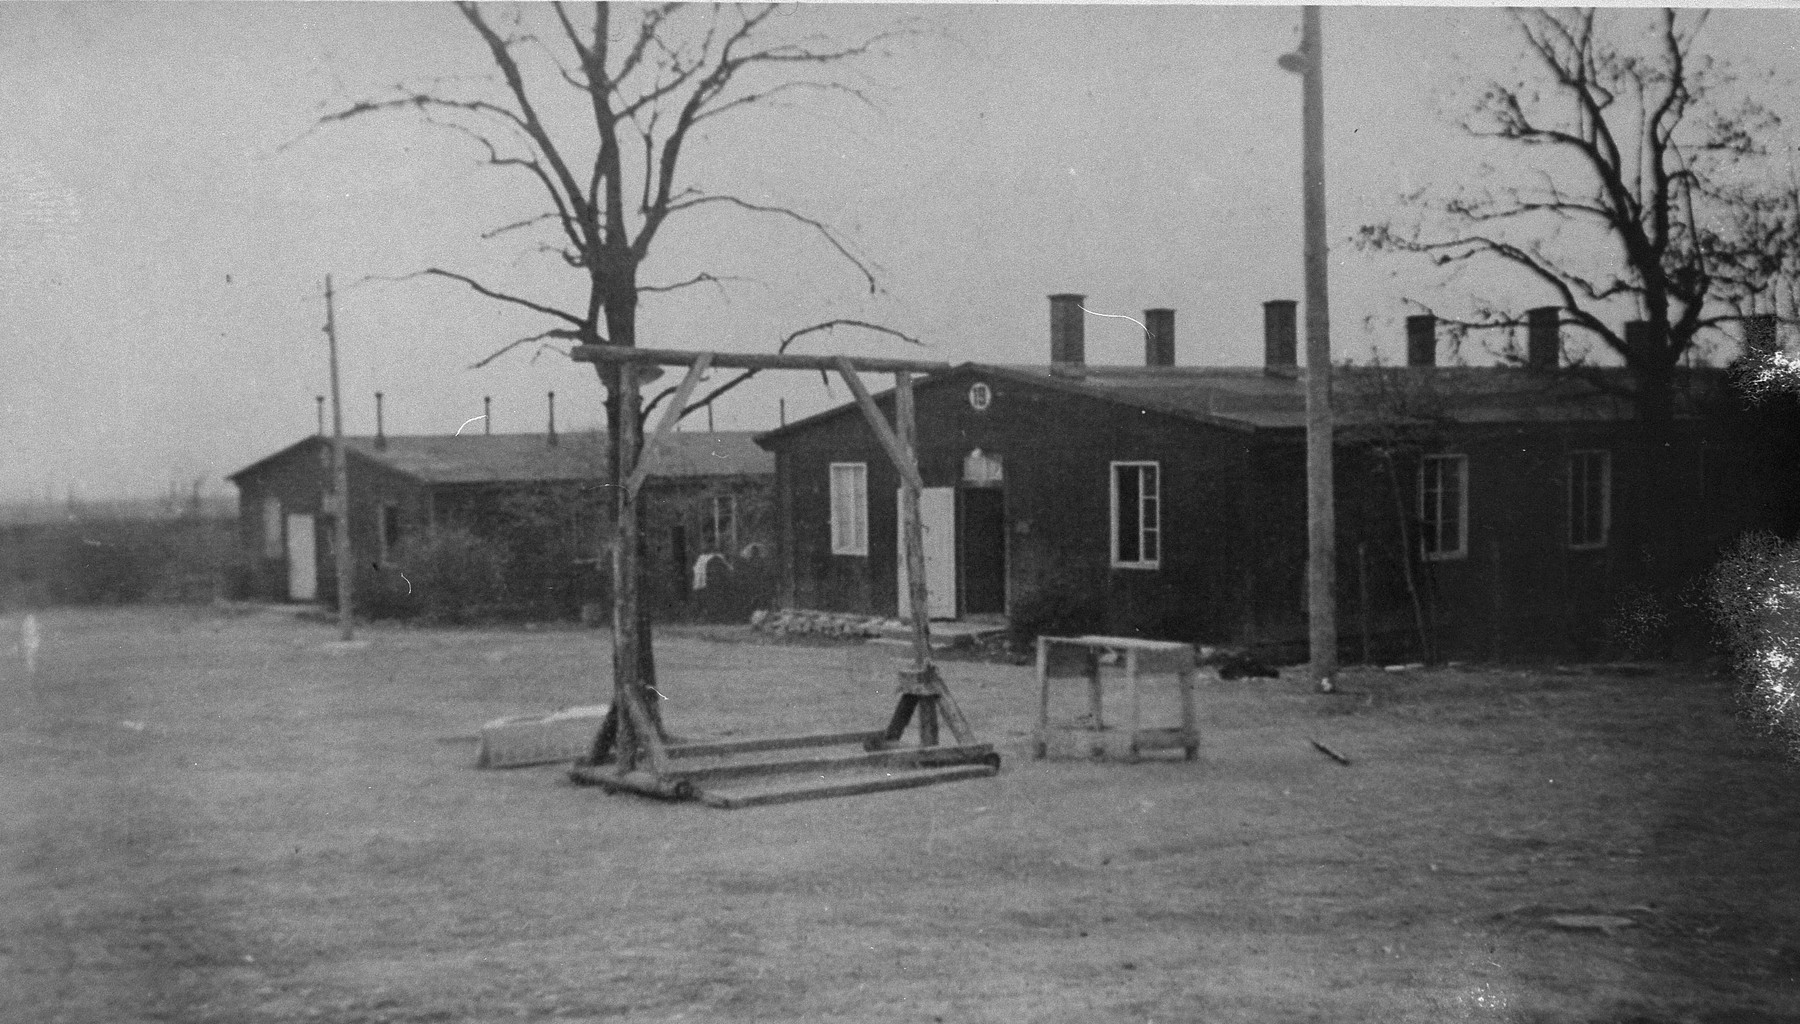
(633,753)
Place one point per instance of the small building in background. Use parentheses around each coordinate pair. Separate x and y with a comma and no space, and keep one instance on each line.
(1481,511)
(539,498)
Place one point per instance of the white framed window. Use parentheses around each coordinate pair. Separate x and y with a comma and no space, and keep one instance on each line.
(272,546)
(720,533)
(1590,498)
(1443,507)
(1136,515)
(850,508)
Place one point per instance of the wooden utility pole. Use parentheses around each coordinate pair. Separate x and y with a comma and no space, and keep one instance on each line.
(340,482)
(1321,514)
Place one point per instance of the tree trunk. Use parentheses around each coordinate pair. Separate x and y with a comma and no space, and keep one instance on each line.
(617,292)
(1653,385)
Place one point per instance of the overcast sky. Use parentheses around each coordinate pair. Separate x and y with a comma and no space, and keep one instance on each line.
(164,237)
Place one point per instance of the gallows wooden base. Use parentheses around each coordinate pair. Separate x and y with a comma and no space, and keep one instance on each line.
(785,769)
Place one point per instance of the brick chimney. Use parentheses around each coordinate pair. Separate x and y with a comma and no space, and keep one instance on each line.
(1159,337)
(487,414)
(1280,334)
(1543,338)
(380,432)
(1759,335)
(551,438)
(1068,335)
(1421,340)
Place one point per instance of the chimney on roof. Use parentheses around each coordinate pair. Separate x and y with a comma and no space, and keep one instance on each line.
(320,399)
(551,439)
(1159,337)
(1280,337)
(487,414)
(1759,335)
(1068,337)
(380,432)
(1543,338)
(1421,340)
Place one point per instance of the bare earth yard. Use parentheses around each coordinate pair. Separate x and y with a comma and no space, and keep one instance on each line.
(223,818)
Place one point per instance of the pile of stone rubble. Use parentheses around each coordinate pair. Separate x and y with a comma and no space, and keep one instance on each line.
(844,624)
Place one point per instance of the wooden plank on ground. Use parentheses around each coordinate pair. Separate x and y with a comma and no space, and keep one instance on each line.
(715,748)
(642,783)
(819,766)
(853,786)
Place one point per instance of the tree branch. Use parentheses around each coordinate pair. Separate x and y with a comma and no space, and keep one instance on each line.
(423,101)
(526,117)
(497,295)
(700,278)
(782,211)
(709,87)
(509,346)
(828,325)
(518,224)
(770,93)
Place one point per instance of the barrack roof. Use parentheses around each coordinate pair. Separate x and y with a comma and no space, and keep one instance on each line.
(1254,398)
(524,458)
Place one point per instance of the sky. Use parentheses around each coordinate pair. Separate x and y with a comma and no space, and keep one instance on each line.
(169,210)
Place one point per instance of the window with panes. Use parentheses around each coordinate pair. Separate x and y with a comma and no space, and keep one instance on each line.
(1136,515)
(1444,506)
(850,508)
(1590,498)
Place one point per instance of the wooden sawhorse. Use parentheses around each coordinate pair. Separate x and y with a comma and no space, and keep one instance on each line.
(1065,657)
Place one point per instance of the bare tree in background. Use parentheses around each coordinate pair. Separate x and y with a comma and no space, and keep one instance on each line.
(648,78)
(1636,185)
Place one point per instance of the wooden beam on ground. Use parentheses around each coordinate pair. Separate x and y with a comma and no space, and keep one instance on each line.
(898,455)
(759,744)
(602,354)
(815,789)
(671,416)
(613,780)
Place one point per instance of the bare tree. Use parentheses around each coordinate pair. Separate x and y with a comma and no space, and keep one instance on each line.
(647,80)
(1635,184)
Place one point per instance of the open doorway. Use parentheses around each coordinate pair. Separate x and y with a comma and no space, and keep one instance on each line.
(981,544)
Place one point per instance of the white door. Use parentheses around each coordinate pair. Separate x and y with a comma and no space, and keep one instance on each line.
(937,521)
(302,558)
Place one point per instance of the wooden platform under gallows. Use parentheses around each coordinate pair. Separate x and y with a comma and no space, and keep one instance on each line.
(635,754)
(731,774)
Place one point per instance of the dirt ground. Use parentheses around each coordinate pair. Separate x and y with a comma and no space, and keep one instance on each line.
(218,817)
